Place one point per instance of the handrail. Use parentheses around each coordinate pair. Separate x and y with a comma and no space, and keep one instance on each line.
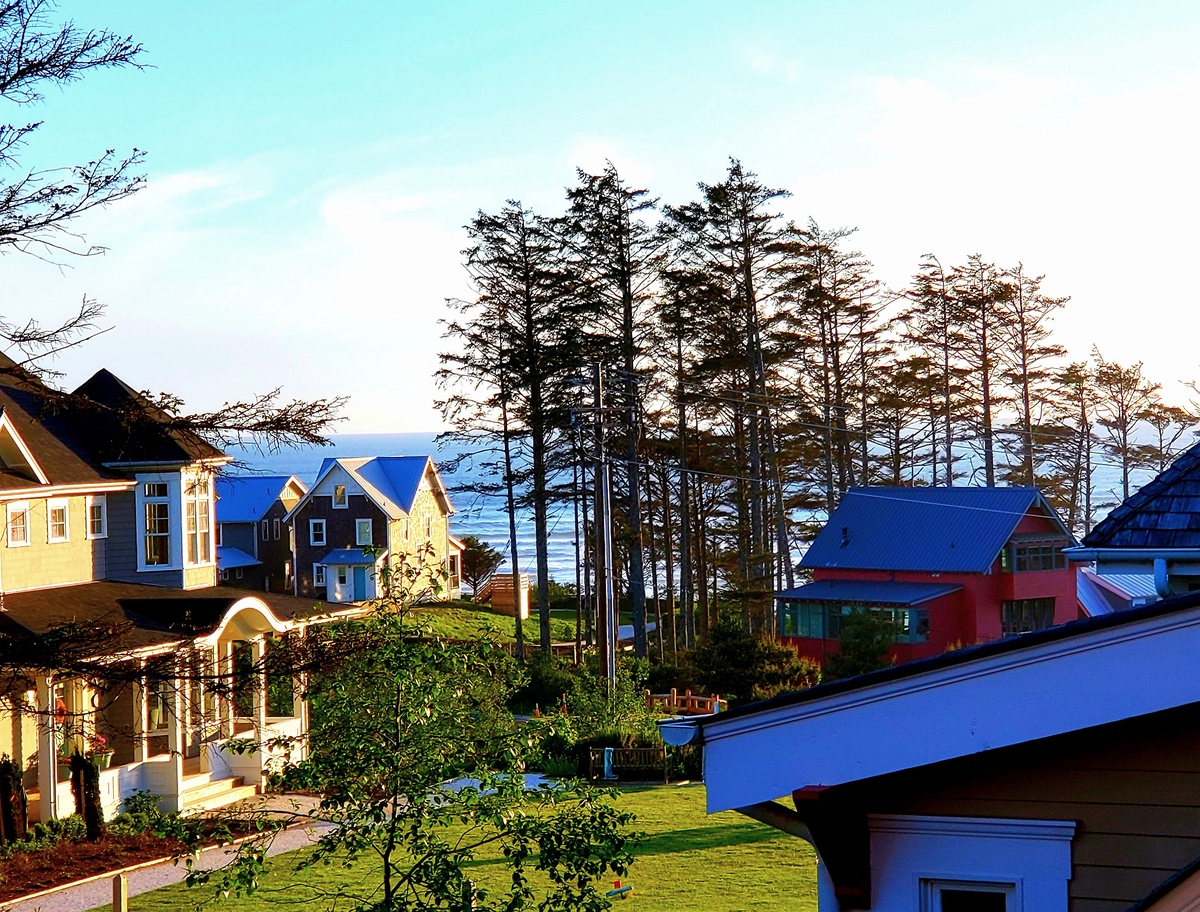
(687,704)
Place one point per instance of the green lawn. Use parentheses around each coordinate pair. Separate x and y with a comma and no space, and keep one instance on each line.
(689,862)
(465,621)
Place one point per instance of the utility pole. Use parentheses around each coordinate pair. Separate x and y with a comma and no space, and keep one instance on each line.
(607,616)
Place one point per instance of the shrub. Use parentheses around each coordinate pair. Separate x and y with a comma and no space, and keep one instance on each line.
(863,646)
(549,678)
(732,662)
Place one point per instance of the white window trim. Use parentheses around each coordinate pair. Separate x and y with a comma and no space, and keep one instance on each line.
(913,856)
(370,531)
(17,506)
(173,500)
(318,574)
(275,527)
(343,576)
(204,537)
(100,500)
(58,503)
(265,529)
(345,505)
(313,525)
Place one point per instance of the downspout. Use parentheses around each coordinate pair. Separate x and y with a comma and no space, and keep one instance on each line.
(1162,585)
(774,814)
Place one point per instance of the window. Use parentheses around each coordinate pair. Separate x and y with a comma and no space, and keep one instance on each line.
(199,527)
(18,524)
(224,576)
(316,532)
(266,530)
(362,532)
(152,489)
(57,529)
(97,513)
(340,500)
(220,526)
(157,529)
(428,528)
(1025,557)
(237,573)
(965,896)
(341,576)
(1025,615)
(275,530)
(318,574)
(821,620)
(406,528)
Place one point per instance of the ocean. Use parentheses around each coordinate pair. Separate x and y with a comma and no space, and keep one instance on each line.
(475,514)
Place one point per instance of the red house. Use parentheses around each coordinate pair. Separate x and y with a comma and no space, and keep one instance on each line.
(949,566)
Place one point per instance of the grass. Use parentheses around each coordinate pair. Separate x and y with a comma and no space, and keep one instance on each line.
(468,621)
(688,862)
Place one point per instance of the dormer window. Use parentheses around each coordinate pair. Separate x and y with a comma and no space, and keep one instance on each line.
(340,501)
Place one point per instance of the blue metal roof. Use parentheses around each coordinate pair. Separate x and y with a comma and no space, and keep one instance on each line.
(246,498)
(883,592)
(948,530)
(233,558)
(397,477)
(347,556)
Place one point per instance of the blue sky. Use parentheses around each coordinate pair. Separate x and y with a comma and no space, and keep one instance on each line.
(311,164)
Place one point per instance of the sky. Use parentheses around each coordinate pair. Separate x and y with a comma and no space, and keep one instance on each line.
(310,165)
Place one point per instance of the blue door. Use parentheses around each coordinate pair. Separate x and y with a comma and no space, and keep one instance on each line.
(360,584)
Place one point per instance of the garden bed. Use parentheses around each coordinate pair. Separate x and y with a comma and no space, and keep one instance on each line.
(68,861)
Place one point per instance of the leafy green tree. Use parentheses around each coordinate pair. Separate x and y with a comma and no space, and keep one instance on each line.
(398,717)
(735,664)
(863,646)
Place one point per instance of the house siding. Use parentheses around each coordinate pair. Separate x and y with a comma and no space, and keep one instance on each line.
(1132,787)
(239,535)
(339,533)
(46,563)
(122,537)
(425,506)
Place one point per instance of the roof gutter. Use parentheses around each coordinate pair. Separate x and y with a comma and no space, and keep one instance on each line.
(1148,554)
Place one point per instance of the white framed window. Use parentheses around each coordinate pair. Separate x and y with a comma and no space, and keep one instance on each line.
(362,532)
(340,500)
(407,527)
(97,516)
(428,528)
(266,530)
(225,576)
(967,896)
(275,529)
(980,864)
(199,526)
(318,574)
(316,532)
(160,545)
(58,527)
(18,523)
(237,573)
(342,576)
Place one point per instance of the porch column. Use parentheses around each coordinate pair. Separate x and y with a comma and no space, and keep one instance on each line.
(47,729)
(226,650)
(176,697)
(141,717)
(258,653)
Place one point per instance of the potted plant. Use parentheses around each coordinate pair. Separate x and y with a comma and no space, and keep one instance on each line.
(99,751)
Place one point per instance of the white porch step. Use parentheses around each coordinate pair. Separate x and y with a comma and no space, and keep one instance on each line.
(203,793)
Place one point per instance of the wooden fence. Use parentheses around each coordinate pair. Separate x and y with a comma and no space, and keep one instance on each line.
(687,704)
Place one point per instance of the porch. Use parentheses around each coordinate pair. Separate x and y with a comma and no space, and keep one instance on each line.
(166,723)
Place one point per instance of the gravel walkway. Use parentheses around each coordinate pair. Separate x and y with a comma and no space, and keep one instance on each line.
(99,893)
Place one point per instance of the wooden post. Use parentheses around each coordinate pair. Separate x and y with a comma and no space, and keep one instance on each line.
(120,894)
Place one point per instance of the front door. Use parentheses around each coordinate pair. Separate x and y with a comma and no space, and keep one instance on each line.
(360,584)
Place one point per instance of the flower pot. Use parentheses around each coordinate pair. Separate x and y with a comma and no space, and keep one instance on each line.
(102,759)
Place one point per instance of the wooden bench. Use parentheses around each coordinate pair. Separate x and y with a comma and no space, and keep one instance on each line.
(628,760)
